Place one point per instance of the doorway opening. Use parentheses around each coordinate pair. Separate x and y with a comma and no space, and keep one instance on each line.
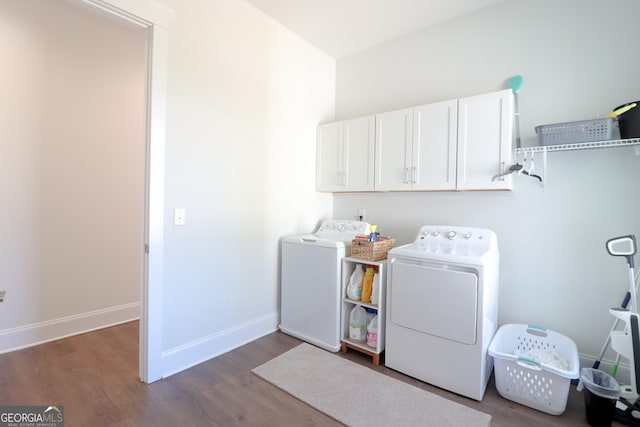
(155,19)
(57,203)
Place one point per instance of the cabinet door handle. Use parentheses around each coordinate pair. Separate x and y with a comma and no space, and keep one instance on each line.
(406,175)
(414,175)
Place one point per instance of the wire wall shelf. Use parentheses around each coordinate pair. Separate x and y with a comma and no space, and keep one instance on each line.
(526,154)
(579,146)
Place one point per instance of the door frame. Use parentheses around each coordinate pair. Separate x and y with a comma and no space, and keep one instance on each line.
(155,19)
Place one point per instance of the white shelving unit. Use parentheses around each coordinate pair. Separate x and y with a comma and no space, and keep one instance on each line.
(529,152)
(348,265)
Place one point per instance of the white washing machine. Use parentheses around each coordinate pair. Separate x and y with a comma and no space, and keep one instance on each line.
(442,307)
(310,292)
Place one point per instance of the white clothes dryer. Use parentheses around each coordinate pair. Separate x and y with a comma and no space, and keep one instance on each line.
(310,288)
(442,307)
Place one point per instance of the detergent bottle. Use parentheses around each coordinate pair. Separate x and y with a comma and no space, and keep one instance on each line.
(371,313)
(354,288)
(375,293)
(374,233)
(372,332)
(367,285)
(358,324)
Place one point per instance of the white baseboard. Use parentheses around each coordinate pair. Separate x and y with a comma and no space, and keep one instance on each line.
(188,355)
(50,330)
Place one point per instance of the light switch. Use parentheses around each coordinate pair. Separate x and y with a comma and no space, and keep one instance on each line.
(178,216)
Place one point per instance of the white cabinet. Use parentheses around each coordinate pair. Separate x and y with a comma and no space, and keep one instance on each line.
(348,265)
(345,155)
(416,148)
(394,150)
(459,144)
(434,146)
(450,145)
(484,141)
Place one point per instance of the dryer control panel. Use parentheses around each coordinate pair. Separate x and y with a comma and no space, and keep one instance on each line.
(442,237)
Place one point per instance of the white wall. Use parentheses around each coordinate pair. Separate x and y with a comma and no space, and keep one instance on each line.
(72,125)
(244,98)
(578,59)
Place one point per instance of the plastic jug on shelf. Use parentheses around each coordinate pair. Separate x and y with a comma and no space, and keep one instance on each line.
(371,313)
(354,288)
(372,332)
(375,293)
(358,324)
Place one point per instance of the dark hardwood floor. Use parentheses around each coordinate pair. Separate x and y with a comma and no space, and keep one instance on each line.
(95,377)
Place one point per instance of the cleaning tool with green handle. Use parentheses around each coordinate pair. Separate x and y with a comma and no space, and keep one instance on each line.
(515,83)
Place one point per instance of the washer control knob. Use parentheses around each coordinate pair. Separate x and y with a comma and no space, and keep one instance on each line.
(452,235)
(467,236)
(436,233)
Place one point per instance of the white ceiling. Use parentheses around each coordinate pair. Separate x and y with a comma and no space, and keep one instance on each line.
(343,27)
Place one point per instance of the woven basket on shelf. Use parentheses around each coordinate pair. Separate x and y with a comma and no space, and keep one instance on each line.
(371,251)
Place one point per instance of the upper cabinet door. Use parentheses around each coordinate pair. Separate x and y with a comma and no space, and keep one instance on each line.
(484,141)
(329,157)
(435,128)
(453,145)
(393,150)
(359,154)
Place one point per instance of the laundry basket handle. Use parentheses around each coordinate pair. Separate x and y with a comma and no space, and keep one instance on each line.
(537,330)
(529,362)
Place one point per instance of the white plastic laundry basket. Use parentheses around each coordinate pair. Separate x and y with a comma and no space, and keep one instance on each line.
(528,381)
